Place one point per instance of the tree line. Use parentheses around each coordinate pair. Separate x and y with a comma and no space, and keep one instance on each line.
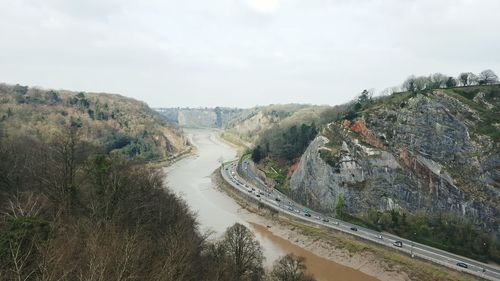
(69,210)
(284,143)
(439,80)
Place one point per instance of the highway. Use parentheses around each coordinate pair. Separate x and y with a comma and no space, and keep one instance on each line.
(259,191)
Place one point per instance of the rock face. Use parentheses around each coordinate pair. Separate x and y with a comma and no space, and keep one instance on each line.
(199,117)
(425,152)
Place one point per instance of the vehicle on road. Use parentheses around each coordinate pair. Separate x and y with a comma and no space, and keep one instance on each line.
(380,237)
(290,208)
(258,195)
(335,223)
(307,215)
(354,228)
(461,264)
(317,217)
(326,220)
(398,244)
(277,199)
(297,211)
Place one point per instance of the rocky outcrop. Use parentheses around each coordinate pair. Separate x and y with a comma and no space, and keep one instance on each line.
(421,154)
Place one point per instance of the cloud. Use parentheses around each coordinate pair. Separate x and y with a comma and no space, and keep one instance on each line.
(263,6)
(242,52)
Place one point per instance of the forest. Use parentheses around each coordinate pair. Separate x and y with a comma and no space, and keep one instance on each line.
(71,210)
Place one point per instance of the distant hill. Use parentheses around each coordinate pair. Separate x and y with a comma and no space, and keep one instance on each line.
(252,123)
(217,117)
(119,124)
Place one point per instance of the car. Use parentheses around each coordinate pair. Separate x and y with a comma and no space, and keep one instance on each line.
(335,223)
(258,195)
(307,215)
(261,193)
(380,237)
(290,208)
(316,217)
(277,199)
(461,264)
(354,228)
(253,189)
(249,190)
(326,220)
(297,211)
(398,244)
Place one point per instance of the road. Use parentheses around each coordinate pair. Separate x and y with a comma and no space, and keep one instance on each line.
(258,190)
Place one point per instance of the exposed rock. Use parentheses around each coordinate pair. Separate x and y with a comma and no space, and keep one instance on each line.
(421,156)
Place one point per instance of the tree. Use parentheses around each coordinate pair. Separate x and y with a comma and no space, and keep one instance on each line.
(473,79)
(290,268)
(451,82)
(463,78)
(52,97)
(409,84)
(244,252)
(339,206)
(257,154)
(487,77)
(422,83)
(438,80)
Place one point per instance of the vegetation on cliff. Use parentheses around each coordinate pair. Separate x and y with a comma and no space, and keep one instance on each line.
(419,163)
(118,124)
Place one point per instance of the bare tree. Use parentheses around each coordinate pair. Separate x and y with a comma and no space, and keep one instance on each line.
(451,82)
(438,80)
(290,268)
(463,78)
(244,252)
(487,77)
(409,84)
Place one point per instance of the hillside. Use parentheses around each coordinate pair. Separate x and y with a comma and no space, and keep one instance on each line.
(252,123)
(423,165)
(119,124)
(79,201)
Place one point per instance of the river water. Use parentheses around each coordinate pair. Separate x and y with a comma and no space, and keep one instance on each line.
(191,179)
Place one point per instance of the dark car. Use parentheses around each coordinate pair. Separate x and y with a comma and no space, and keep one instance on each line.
(326,220)
(307,215)
(277,199)
(461,264)
(398,244)
(354,228)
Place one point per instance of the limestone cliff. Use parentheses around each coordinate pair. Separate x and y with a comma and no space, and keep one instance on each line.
(217,117)
(436,152)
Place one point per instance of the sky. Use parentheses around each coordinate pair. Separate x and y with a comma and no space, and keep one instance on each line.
(242,53)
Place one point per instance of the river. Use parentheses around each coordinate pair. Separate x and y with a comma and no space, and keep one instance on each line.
(191,179)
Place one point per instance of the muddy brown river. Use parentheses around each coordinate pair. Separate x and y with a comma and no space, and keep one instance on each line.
(190,178)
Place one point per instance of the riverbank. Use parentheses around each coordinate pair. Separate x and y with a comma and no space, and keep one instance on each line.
(374,260)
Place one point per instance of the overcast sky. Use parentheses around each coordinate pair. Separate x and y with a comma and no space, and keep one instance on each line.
(242,52)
